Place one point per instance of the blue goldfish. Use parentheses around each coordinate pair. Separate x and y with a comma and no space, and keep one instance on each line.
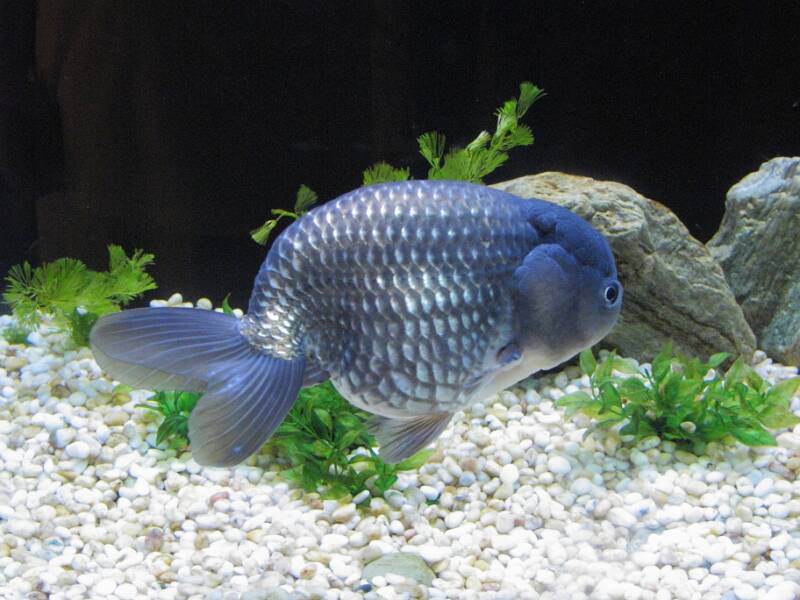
(416,298)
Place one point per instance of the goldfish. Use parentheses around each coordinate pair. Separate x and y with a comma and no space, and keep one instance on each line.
(415,298)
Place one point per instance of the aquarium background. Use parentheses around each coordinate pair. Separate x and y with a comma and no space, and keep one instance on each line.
(176,128)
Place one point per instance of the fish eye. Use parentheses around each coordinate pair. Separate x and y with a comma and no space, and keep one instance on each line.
(611,293)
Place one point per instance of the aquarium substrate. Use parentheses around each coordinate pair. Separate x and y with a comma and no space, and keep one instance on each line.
(516,503)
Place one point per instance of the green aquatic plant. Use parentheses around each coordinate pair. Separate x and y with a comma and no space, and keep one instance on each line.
(383,172)
(305,199)
(74,296)
(683,399)
(324,441)
(175,407)
(479,158)
(319,438)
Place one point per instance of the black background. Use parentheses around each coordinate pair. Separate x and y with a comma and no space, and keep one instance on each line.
(176,127)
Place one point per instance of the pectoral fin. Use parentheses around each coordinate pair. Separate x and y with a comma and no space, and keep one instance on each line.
(401,438)
(506,358)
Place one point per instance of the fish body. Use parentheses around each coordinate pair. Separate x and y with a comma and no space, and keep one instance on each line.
(415,298)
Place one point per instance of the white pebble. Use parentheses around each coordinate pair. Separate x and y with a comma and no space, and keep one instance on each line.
(23,528)
(621,517)
(175,300)
(79,450)
(505,522)
(333,542)
(783,591)
(204,304)
(454,519)
(558,465)
(763,487)
(126,591)
(104,587)
(430,493)
(433,554)
(509,474)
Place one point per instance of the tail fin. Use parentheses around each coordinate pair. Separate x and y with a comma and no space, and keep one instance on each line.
(246,393)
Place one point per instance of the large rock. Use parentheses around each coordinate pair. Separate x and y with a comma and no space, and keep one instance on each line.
(758,246)
(674,289)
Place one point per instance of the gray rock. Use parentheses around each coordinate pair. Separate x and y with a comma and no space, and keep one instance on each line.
(758,246)
(674,289)
(405,564)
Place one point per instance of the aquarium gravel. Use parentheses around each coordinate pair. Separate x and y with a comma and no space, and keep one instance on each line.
(514,504)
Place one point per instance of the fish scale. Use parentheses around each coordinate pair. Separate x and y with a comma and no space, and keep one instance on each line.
(388,291)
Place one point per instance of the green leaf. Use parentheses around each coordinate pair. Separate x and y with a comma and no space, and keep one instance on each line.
(431,146)
(383,172)
(261,234)
(610,396)
(528,94)
(717,359)
(662,363)
(782,393)
(479,143)
(384,482)
(753,436)
(347,439)
(778,417)
(634,390)
(322,449)
(306,198)
(625,366)
(226,307)
(414,462)
(587,362)
(580,402)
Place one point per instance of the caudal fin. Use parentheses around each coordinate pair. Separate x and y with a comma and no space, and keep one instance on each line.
(246,393)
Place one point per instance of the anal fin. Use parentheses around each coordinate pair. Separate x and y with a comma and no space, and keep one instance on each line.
(400,438)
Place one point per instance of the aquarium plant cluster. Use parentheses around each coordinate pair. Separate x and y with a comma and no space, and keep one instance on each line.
(74,296)
(683,399)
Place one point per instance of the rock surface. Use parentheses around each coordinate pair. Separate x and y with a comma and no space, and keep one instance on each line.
(674,289)
(758,246)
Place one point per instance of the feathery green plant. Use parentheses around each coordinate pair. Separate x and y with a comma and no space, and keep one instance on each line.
(73,295)
(480,157)
(683,399)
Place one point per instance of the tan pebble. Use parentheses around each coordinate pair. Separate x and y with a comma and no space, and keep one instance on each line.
(15,363)
(120,398)
(116,416)
(115,439)
(201,541)
(59,391)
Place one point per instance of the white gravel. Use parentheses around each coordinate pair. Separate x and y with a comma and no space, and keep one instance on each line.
(515,504)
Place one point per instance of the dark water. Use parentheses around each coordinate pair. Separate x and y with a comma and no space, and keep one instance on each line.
(177,128)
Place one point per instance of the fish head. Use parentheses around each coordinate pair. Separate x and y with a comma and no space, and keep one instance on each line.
(568,296)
